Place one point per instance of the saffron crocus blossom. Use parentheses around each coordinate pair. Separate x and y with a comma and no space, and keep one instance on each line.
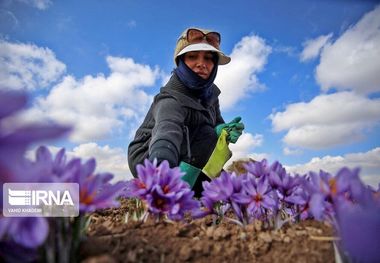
(54,167)
(183,202)
(320,207)
(283,182)
(59,168)
(258,169)
(170,185)
(219,192)
(127,191)
(326,189)
(29,232)
(15,140)
(243,194)
(96,190)
(147,176)
(358,225)
(206,209)
(300,197)
(219,189)
(162,188)
(159,204)
(174,206)
(258,196)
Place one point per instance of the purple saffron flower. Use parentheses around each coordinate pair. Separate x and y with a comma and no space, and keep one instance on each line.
(127,191)
(26,232)
(96,191)
(159,204)
(359,228)
(319,190)
(169,180)
(300,197)
(162,188)
(14,141)
(183,202)
(331,186)
(283,182)
(206,209)
(258,169)
(326,190)
(219,189)
(147,176)
(258,195)
(219,194)
(357,216)
(30,232)
(277,168)
(225,193)
(10,103)
(59,169)
(45,165)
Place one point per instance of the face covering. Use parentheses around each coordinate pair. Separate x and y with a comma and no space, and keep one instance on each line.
(200,87)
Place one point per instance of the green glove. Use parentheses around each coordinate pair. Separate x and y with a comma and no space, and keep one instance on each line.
(218,128)
(191,173)
(219,157)
(233,128)
(235,132)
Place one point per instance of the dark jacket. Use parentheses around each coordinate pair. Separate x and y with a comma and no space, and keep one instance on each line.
(174,127)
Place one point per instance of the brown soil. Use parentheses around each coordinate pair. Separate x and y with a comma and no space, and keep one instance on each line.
(110,239)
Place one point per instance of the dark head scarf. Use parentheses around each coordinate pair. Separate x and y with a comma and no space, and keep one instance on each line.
(199,86)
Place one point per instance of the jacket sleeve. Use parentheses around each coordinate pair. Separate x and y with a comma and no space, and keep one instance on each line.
(219,118)
(167,133)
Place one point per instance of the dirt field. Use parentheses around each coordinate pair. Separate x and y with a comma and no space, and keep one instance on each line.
(110,239)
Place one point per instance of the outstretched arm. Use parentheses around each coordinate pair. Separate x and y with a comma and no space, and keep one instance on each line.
(167,133)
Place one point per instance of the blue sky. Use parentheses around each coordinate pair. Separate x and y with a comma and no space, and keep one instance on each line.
(305,76)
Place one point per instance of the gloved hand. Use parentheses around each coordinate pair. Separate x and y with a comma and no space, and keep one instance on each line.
(219,157)
(191,173)
(233,128)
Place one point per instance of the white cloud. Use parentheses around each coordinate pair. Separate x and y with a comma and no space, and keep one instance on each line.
(112,160)
(238,78)
(327,120)
(26,66)
(351,63)
(288,50)
(40,4)
(353,60)
(291,151)
(369,162)
(100,105)
(312,47)
(243,148)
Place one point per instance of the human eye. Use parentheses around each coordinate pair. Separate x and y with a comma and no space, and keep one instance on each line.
(208,57)
(191,55)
